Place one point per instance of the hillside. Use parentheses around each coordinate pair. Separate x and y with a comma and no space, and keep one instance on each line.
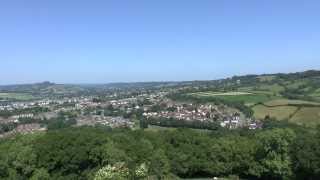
(39,90)
(294,97)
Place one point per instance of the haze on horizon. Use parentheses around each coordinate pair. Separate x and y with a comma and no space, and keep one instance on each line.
(169,40)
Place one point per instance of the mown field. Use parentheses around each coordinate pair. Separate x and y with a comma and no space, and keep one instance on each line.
(16,96)
(281,102)
(309,116)
(273,89)
(249,98)
(280,113)
(296,111)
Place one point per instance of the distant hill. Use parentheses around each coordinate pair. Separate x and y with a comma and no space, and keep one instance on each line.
(302,85)
(44,88)
(26,87)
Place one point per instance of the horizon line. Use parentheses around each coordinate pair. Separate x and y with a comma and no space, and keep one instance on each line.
(160,81)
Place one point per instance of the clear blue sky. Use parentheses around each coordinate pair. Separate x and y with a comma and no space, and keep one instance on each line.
(100,41)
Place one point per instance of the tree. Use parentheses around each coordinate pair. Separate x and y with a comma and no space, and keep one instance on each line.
(306,155)
(273,154)
(70,152)
(40,174)
(111,154)
(159,165)
(17,157)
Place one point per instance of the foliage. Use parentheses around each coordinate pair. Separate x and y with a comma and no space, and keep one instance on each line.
(280,151)
(7,127)
(172,122)
(306,156)
(118,171)
(280,113)
(273,154)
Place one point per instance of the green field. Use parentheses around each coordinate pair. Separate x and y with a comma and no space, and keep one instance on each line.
(280,113)
(282,102)
(246,89)
(309,116)
(316,93)
(285,109)
(16,96)
(210,93)
(270,93)
(154,128)
(275,88)
(249,98)
(296,84)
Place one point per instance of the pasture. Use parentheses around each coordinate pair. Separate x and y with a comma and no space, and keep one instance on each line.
(280,113)
(275,88)
(316,93)
(210,93)
(249,98)
(283,102)
(309,116)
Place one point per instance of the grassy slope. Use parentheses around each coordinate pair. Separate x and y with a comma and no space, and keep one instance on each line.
(309,116)
(316,93)
(212,93)
(275,88)
(247,97)
(284,111)
(280,102)
(269,91)
(280,113)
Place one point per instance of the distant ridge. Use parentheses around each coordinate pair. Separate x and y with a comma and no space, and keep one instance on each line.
(53,87)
